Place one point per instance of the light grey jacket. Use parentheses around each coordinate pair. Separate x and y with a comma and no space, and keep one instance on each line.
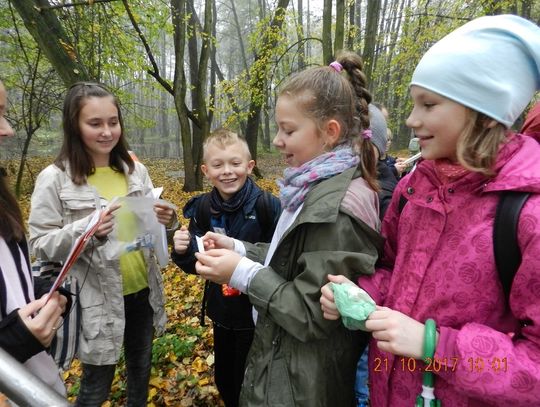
(60,212)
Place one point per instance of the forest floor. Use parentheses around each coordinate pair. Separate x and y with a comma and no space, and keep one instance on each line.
(182,360)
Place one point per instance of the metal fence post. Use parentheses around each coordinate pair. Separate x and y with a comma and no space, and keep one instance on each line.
(23,388)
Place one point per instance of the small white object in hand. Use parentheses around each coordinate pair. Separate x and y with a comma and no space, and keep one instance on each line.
(200,244)
(356,293)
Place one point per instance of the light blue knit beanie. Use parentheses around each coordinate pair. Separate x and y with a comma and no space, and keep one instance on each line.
(491,65)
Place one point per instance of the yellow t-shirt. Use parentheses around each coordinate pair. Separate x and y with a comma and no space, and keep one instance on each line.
(110,184)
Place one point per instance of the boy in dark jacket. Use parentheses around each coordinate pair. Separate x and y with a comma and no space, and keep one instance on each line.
(238,208)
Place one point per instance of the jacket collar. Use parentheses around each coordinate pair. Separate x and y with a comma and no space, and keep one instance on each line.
(517,169)
(324,200)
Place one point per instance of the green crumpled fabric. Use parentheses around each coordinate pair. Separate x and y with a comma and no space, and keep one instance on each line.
(354,305)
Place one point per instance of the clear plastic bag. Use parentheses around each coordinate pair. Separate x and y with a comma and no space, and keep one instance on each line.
(143,229)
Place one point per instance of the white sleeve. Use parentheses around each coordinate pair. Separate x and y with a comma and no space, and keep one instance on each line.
(244,273)
(239,247)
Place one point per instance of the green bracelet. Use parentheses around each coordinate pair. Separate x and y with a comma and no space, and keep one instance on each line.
(430,337)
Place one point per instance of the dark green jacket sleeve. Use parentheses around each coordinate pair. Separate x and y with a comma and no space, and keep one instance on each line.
(289,290)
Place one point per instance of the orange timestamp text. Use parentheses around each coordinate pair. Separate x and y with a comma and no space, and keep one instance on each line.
(437,365)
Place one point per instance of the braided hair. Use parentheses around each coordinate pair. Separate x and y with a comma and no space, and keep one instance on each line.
(325,93)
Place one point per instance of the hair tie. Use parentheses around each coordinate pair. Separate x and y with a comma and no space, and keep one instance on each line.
(367,134)
(337,66)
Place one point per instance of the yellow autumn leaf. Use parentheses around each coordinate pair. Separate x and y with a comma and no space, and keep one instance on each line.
(157,382)
(198,365)
(204,381)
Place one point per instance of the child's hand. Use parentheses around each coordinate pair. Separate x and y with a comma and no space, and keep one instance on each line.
(213,240)
(400,166)
(44,325)
(396,333)
(217,265)
(181,240)
(328,305)
(107,224)
(164,213)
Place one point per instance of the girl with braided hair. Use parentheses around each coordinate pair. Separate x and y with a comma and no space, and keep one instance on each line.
(329,224)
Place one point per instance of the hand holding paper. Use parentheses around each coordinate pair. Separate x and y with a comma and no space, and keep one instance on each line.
(106,224)
(164,213)
(42,318)
(214,240)
(217,265)
(412,160)
(95,222)
(200,244)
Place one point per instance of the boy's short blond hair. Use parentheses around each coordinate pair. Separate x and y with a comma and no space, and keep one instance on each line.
(223,138)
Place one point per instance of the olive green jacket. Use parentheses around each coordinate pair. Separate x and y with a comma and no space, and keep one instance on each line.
(298,358)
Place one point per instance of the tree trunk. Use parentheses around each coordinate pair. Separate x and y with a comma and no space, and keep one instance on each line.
(526,9)
(42,24)
(240,37)
(178,10)
(193,53)
(268,137)
(358,23)
(340,26)
(300,34)
(352,27)
(372,22)
(163,109)
(267,45)
(328,55)
(202,81)
(213,70)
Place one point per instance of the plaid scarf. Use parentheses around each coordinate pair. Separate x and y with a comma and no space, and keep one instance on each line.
(298,181)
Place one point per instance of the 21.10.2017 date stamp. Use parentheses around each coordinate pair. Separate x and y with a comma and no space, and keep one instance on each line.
(472,364)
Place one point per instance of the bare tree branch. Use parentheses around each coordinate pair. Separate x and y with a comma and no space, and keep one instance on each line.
(80,3)
(155,71)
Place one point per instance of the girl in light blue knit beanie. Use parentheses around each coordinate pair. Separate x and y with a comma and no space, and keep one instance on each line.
(447,302)
(490,66)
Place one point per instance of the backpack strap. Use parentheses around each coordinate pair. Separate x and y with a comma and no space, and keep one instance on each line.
(263,208)
(505,242)
(202,216)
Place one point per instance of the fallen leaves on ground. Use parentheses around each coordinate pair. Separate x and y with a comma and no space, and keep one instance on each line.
(183,361)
